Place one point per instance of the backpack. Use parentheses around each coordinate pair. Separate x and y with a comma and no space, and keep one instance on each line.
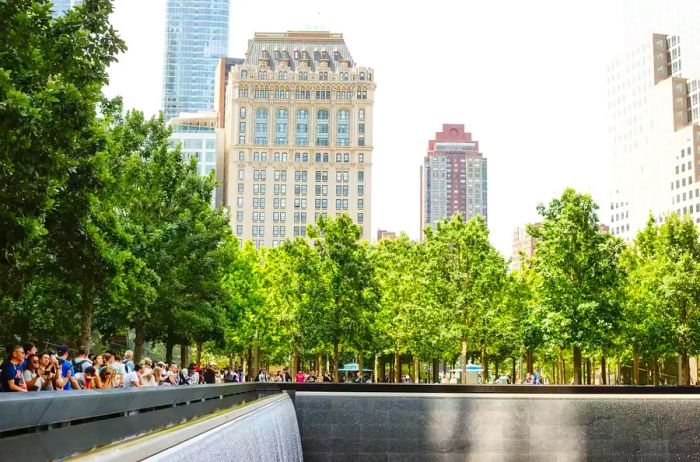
(78,365)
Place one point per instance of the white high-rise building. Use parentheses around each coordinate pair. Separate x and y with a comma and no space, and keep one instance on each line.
(654,109)
(298,130)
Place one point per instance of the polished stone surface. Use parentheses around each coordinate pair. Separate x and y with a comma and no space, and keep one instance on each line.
(459,427)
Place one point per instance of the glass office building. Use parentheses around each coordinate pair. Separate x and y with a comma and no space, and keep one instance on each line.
(196,36)
(61,6)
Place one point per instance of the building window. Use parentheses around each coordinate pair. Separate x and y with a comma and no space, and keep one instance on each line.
(322,127)
(360,204)
(361,114)
(241,155)
(361,141)
(242,112)
(261,126)
(360,157)
(343,127)
(361,176)
(244,74)
(360,217)
(362,76)
(281,126)
(302,127)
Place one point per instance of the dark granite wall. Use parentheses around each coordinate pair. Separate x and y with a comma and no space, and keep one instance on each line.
(445,427)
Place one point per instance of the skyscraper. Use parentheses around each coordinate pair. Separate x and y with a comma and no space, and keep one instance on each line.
(196,36)
(61,6)
(298,136)
(654,104)
(453,177)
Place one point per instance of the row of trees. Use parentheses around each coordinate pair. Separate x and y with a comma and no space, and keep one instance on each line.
(104,229)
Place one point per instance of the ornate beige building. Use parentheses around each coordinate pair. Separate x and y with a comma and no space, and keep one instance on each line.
(298,130)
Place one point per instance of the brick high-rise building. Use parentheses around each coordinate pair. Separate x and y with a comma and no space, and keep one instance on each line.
(298,130)
(453,177)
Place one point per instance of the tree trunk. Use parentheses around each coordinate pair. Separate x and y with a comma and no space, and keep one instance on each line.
(577,365)
(512,379)
(603,371)
(463,357)
(86,325)
(560,365)
(185,357)
(656,370)
(436,370)
(495,366)
(375,379)
(169,345)
(256,360)
(685,369)
(360,366)
(248,372)
(138,341)
(392,368)
(319,364)
(397,367)
(336,356)
(588,371)
(635,369)
(200,347)
(293,367)
(529,363)
(485,365)
(416,369)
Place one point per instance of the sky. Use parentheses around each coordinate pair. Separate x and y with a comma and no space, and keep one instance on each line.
(528,79)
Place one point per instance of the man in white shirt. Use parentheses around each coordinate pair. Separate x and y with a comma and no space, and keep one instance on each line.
(133,378)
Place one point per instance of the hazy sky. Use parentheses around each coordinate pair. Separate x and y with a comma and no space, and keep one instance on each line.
(526,78)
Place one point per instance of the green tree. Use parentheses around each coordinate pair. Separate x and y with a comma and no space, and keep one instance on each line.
(465,277)
(346,298)
(579,276)
(51,76)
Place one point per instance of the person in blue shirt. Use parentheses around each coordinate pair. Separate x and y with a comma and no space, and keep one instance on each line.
(11,379)
(68,381)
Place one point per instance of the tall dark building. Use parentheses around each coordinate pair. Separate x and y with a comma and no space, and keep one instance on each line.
(453,177)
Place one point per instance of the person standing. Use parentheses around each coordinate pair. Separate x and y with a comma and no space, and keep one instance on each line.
(67,381)
(29,349)
(210,373)
(300,377)
(11,379)
(129,361)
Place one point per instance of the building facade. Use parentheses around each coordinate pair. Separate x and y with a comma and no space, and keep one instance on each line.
(60,7)
(654,110)
(298,130)
(454,177)
(200,139)
(523,248)
(196,37)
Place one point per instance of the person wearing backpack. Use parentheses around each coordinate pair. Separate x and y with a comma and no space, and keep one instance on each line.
(81,362)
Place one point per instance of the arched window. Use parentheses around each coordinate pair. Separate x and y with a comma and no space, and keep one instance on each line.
(322,127)
(281,126)
(362,76)
(302,127)
(261,126)
(342,126)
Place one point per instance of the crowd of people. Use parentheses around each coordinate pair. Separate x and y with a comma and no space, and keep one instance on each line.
(26,370)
